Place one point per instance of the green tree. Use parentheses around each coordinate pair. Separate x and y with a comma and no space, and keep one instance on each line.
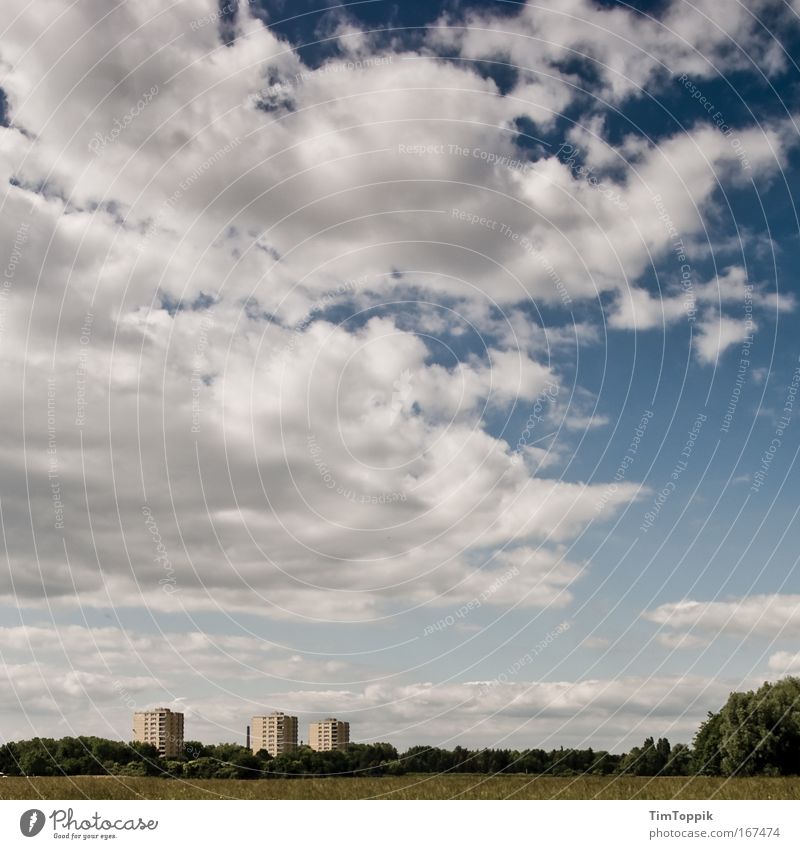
(136,770)
(707,753)
(760,731)
(74,757)
(9,759)
(194,749)
(36,757)
(147,755)
(679,761)
(649,759)
(201,768)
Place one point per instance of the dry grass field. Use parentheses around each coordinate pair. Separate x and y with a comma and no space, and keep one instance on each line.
(405,787)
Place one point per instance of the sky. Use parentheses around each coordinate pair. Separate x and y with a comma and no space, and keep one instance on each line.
(429,365)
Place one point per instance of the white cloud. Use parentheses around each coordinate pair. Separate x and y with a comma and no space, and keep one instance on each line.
(681,641)
(628,52)
(303,462)
(159,661)
(785,663)
(596,643)
(106,676)
(255,516)
(733,287)
(32,691)
(524,577)
(638,309)
(715,334)
(255,522)
(598,712)
(757,615)
(313,490)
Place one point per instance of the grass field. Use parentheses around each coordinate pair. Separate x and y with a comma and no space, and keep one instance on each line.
(405,787)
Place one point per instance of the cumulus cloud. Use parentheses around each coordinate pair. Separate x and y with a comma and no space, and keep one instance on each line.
(267,372)
(701,304)
(522,577)
(322,459)
(785,663)
(627,52)
(273,331)
(770,616)
(715,334)
(122,657)
(681,641)
(524,714)
(638,309)
(512,709)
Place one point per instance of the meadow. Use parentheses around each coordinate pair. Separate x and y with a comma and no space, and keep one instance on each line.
(402,787)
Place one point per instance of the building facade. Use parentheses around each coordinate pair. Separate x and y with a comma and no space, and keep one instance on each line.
(160,727)
(329,734)
(276,732)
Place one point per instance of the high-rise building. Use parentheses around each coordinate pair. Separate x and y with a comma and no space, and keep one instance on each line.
(329,734)
(276,732)
(160,727)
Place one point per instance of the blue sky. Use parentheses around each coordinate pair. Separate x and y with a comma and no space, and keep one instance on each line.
(429,365)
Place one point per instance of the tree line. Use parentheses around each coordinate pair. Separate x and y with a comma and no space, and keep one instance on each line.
(754,733)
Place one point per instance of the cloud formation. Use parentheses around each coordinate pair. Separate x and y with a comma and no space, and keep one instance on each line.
(324,343)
